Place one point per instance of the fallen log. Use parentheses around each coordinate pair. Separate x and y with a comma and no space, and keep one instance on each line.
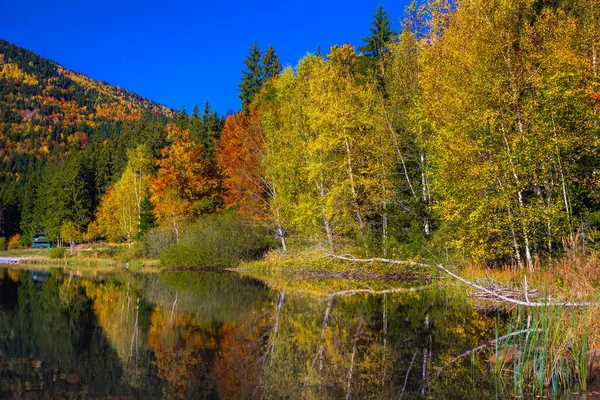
(490,292)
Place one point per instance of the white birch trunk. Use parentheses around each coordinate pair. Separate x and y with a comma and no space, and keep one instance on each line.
(359,217)
(319,354)
(424,194)
(348,386)
(326,221)
(276,327)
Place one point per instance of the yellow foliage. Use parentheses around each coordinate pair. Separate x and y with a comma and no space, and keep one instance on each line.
(13,72)
(15,242)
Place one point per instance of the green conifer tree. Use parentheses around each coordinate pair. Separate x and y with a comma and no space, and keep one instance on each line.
(252,77)
(195,125)
(211,128)
(147,219)
(183,119)
(381,34)
(271,64)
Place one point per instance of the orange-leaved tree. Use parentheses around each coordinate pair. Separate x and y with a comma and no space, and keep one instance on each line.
(240,154)
(186,185)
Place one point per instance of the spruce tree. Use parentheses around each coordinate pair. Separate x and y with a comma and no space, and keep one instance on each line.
(195,111)
(271,64)
(183,119)
(147,219)
(195,125)
(381,34)
(211,128)
(252,77)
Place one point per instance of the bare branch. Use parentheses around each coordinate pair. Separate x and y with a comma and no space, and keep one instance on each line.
(483,346)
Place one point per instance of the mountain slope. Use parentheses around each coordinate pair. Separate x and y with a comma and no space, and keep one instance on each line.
(44,106)
(50,115)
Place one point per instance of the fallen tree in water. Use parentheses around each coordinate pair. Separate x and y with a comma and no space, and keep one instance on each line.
(493,293)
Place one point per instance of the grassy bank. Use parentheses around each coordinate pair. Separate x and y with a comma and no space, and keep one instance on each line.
(97,256)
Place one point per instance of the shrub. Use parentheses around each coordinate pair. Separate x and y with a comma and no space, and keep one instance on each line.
(15,242)
(157,240)
(217,240)
(57,252)
(3,245)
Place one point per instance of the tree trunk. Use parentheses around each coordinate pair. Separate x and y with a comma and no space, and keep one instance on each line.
(276,327)
(348,386)
(359,217)
(281,236)
(326,221)
(384,223)
(520,202)
(595,59)
(425,195)
(399,152)
(319,354)
(385,331)
(175,227)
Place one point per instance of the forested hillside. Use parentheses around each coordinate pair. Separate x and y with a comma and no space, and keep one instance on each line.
(64,139)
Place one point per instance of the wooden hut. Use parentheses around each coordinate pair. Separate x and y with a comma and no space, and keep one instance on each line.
(40,241)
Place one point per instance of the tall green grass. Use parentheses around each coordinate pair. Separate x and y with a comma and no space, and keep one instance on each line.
(553,354)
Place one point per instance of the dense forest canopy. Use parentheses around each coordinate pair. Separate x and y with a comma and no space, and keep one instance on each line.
(474,129)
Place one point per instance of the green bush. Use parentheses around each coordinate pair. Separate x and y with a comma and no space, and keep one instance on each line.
(3,244)
(217,240)
(156,241)
(57,252)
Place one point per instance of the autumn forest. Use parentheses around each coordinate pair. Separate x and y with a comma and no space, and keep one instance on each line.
(474,131)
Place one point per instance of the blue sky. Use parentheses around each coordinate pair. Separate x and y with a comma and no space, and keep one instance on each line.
(182,52)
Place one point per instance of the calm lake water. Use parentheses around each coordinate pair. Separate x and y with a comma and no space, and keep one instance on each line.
(214,335)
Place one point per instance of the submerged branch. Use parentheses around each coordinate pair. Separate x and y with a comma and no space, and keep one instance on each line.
(483,346)
(371,291)
(472,284)
(408,373)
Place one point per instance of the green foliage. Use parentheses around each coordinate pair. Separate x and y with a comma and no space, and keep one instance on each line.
(271,65)
(147,218)
(3,244)
(57,252)
(205,128)
(259,71)
(201,295)
(252,77)
(381,35)
(216,240)
(157,240)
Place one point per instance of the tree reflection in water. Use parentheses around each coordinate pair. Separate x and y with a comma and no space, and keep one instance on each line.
(220,335)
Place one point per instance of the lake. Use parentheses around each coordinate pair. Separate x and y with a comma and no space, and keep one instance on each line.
(224,335)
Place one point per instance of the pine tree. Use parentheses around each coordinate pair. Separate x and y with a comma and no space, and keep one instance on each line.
(195,125)
(147,219)
(271,65)
(210,129)
(381,34)
(252,78)
(183,119)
